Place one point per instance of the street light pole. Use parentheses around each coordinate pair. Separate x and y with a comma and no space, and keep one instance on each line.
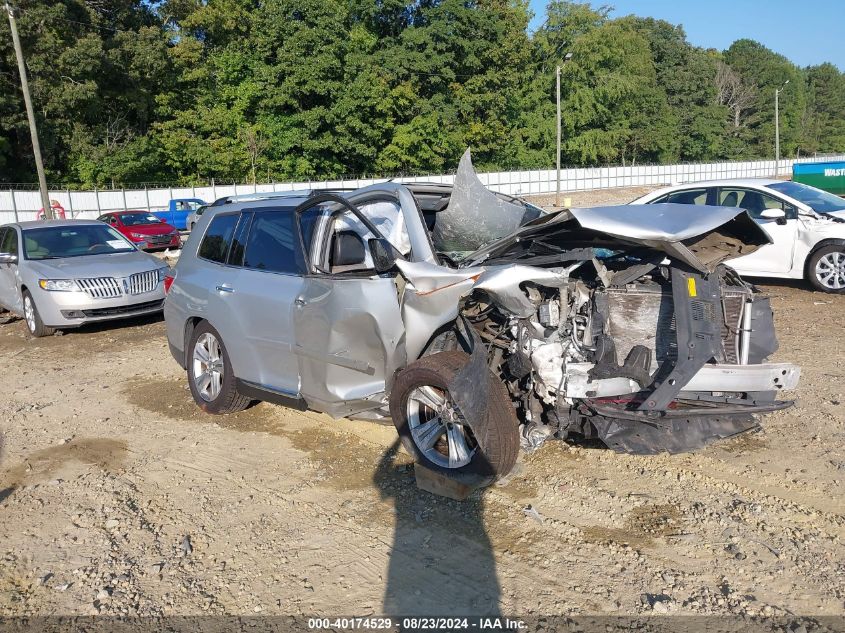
(566,58)
(557,190)
(777,126)
(30,114)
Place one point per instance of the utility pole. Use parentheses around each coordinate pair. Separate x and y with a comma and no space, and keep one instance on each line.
(30,115)
(777,127)
(566,58)
(557,191)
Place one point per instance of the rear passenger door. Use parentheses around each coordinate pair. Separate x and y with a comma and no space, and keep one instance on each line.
(268,257)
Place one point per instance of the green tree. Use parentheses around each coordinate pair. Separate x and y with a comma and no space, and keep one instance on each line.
(767,71)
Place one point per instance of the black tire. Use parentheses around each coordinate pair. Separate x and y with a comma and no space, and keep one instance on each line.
(32,319)
(496,445)
(828,256)
(227,399)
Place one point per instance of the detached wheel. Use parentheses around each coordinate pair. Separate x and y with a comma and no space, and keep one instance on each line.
(434,431)
(826,269)
(33,320)
(210,375)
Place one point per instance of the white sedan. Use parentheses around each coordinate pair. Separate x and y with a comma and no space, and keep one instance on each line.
(807,226)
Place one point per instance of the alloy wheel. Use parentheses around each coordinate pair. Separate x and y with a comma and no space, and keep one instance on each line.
(29,313)
(830,270)
(438,428)
(208,367)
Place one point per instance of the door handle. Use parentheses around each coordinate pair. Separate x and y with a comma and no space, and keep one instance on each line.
(225,289)
(300,301)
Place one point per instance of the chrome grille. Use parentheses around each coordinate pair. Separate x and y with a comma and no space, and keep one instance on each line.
(139,283)
(101,287)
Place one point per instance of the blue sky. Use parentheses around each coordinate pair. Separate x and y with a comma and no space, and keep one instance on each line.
(808,32)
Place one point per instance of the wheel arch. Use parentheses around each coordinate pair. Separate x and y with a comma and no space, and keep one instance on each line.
(830,241)
(190,325)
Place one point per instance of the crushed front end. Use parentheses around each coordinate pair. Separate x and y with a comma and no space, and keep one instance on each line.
(648,347)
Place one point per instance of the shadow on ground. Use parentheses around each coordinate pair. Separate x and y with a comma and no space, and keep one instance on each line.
(441,561)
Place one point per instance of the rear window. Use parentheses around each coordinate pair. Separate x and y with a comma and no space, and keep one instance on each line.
(218,238)
(273,243)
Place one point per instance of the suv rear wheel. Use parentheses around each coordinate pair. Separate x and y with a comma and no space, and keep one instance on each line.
(826,269)
(434,431)
(210,375)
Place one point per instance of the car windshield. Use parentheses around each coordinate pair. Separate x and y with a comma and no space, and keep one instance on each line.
(137,219)
(818,200)
(56,242)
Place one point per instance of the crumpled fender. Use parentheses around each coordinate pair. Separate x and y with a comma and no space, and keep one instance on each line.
(433,293)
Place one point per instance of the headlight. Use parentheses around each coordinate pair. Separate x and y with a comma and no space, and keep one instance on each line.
(59,285)
(138,236)
(162,273)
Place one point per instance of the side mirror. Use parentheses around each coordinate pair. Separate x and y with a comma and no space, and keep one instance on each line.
(141,245)
(773,214)
(8,258)
(383,254)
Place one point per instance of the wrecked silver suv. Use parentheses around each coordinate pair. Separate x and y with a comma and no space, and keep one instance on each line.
(477,322)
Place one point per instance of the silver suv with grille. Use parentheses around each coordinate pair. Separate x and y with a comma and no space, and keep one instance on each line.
(63,274)
(477,322)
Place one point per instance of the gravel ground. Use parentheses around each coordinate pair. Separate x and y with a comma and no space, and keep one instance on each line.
(119,496)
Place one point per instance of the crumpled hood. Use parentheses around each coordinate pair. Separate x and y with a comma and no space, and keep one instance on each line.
(701,236)
(86,266)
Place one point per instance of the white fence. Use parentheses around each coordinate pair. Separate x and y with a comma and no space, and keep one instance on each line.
(24,205)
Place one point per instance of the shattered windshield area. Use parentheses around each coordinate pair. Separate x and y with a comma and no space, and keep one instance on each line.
(476,216)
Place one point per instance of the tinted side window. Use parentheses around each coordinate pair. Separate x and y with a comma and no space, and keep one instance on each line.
(273,243)
(217,239)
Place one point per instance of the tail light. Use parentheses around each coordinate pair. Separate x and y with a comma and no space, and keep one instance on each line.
(169,276)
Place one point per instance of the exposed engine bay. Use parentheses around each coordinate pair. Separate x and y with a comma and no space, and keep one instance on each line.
(590,352)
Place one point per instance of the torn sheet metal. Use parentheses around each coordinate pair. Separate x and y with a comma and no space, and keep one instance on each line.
(431,299)
(503,285)
(701,236)
(475,215)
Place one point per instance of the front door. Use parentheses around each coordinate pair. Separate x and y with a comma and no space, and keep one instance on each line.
(775,258)
(10,298)
(349,330)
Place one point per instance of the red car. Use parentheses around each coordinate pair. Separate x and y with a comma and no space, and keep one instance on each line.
(141,226)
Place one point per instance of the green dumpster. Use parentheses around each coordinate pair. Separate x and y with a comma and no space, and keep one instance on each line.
(829,176)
